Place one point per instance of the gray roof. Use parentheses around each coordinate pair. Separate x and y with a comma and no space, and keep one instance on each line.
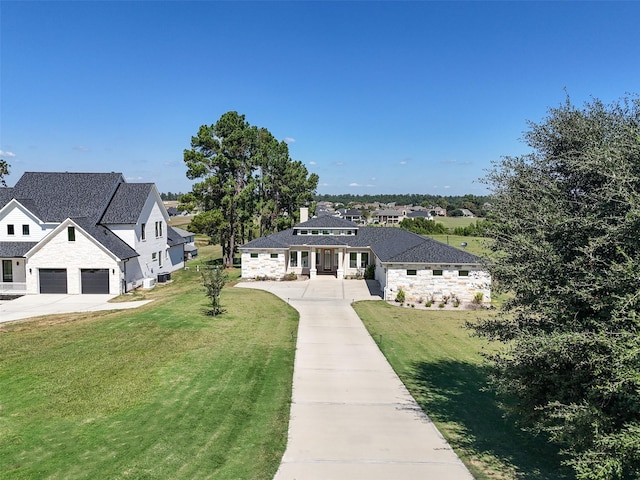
(183,233)
(89,199)
(127,203)
(107,239)
(174,237)
(57,196)
(15,249)
(390,245)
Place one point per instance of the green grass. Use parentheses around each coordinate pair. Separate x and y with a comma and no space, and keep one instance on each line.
(162,391)
(475,245)
(443,368)
(453,222)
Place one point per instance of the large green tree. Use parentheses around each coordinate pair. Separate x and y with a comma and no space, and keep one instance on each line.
(248,182)
(566,225)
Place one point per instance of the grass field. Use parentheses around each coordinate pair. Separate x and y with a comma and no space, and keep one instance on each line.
(160,392)
(443,368)
(453,222)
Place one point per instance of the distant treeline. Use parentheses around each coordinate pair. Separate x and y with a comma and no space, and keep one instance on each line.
(170,196)
(475,203)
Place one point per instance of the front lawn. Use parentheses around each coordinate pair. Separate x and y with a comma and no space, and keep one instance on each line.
(159,392)
(443,368)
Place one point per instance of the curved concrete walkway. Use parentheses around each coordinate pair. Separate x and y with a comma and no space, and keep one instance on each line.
(351,416)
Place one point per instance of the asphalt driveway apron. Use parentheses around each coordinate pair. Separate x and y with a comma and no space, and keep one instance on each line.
(351,416)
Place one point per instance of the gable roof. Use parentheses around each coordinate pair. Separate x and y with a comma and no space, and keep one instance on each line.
(56,196)
(102,235)
(127,203)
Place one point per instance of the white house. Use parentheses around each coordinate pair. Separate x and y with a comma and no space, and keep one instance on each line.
(82,233)
(421,267)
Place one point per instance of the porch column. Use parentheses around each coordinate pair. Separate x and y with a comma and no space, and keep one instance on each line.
(340,270)
(313,271)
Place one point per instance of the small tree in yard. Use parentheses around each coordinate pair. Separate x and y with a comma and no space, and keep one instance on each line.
(214,280)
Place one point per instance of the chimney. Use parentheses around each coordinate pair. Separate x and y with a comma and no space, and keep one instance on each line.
(304,214)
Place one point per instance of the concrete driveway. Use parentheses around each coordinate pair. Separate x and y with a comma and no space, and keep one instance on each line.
(50,304)
(351,416)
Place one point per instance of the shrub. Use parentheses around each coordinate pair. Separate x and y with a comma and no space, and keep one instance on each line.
(477,298)
(400,296)
(289,277)
(370,272)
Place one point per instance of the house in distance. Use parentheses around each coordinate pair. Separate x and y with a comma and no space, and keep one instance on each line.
(400,260)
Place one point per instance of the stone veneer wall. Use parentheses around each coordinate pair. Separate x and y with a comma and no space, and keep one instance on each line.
(264,265)
(424,285)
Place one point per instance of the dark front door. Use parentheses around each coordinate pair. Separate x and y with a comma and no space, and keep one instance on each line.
(7,271)
(53,280)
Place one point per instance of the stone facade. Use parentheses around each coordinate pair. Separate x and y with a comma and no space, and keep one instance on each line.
(419,282)
(264,264)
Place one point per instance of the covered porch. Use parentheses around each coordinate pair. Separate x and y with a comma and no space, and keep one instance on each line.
(13,276)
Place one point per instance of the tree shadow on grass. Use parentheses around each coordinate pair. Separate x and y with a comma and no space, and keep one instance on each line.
(451,391)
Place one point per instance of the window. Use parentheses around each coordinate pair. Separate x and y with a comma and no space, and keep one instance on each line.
(143,232)
(353,260)
(254,255)
(304,232)
(314,232)
(437,273)
(10,230)
(158,229)
(412,272)
(463,273)
(25,229)
(154,256)
(293,260)
(325,232)
(274,255)
(364,260)
(71,234)
(304,259)
(159,259)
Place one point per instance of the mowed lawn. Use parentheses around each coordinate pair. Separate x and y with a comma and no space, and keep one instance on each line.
(159,392)
(443,368)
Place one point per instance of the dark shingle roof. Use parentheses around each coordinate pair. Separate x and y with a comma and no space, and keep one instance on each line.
(127,203)
(390,245)
(106,238)
(174,237)
(57,196)
(6,194)
(15,249)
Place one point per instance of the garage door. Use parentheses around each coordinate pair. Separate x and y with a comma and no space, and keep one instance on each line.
(95,280)
(53,280)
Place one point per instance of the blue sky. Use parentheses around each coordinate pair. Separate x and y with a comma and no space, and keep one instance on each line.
(374,97)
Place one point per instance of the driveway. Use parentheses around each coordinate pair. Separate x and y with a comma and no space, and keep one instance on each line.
(50,304)
(351,416)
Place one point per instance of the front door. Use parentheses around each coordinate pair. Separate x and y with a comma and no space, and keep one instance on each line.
(327,261)
(7,271)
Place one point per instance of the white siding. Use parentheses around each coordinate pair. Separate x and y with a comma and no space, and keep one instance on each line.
(18,216)
(144,266)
